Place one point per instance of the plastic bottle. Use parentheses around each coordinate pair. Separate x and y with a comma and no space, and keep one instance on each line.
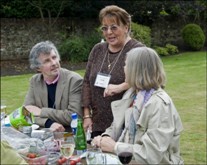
(7,122)
(80,139)
(74,123)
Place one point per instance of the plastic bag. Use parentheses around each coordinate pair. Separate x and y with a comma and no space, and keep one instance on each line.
(21,142)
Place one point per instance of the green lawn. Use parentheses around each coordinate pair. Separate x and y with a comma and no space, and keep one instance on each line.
(186,74)
(186,85)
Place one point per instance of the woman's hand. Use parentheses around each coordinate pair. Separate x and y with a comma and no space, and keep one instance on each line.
(111,90)
(87,124)
(96,141)
(115,89)
(87,120)
(106,143)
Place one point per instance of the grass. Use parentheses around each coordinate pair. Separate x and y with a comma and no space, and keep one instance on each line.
(14,89)
(186,85)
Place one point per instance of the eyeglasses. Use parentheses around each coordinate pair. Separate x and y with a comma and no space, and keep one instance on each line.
(113,28)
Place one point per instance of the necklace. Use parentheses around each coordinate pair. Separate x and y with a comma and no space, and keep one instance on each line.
(114,61)
(109,62)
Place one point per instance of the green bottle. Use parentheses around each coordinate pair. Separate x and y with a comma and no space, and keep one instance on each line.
(80,139)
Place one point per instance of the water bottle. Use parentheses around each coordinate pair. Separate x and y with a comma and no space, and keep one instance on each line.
(80,139)
(7,122)
(74,123)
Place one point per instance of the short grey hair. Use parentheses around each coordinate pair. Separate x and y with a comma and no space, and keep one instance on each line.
(144,69)
(44,47)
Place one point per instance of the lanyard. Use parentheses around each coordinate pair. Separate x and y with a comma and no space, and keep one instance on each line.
(115,61)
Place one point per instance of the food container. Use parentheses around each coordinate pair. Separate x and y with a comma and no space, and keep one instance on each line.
(26,130)
(42,134)
(21,117)
(53,158)
(35,158)
(63,135)
(51,145)
(75,159)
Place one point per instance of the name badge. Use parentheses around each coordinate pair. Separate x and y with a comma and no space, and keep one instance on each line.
(102,80)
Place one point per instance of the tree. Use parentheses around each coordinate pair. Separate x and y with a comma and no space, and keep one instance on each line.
(143,12)
(50,9)
(17,9)
(147,11)
(190,11)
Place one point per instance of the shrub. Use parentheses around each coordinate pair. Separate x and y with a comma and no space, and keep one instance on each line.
(91,39)
(167,50)
(193,36)
(162,51)
(73,49)
(171,49)
(76,48)
(141,33)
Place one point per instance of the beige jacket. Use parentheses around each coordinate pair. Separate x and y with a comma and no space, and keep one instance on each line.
(9,155)
(67,99)
(158,129)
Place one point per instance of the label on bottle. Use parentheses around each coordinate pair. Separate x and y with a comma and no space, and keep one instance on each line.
(74,131)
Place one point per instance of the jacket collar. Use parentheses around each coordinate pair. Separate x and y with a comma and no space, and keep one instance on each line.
(59,90)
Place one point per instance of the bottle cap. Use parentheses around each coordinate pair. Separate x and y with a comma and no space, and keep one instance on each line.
(74,115)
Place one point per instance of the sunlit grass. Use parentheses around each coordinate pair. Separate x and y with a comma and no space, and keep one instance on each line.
(14,88)
(186,84)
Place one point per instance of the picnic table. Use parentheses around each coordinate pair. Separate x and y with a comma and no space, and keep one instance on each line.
(22,144)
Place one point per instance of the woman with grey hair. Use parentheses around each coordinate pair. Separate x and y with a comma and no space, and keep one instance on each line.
(145,120)
(54,93)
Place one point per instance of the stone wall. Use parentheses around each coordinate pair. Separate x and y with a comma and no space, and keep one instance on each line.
(19,35)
